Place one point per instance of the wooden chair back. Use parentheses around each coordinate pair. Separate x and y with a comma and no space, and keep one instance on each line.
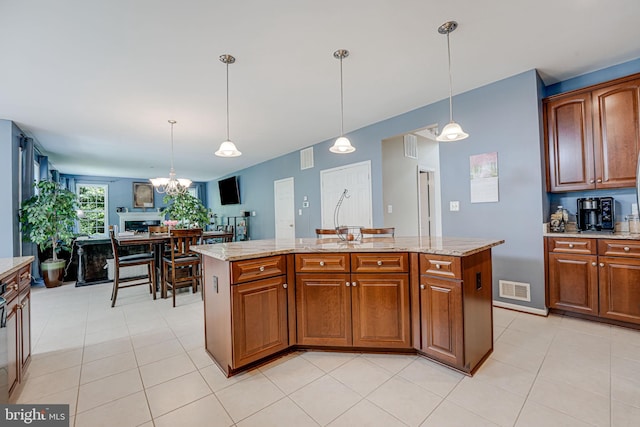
(378,232)
(158,229)
(320,232)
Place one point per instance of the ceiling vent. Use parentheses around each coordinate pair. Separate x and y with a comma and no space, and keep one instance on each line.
(411,146)
(306,158)
(515,290)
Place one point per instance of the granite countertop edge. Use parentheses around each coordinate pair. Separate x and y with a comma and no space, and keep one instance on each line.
(237,251)
(11,265)
(594,235)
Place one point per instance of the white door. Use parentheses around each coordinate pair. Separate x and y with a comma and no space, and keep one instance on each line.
(426,197)
(284,209)
(356,208)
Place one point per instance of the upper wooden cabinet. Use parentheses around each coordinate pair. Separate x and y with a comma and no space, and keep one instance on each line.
(592,136)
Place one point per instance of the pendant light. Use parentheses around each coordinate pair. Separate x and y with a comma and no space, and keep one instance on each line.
(342,144)
(172,186)
(452,131)
(227,148)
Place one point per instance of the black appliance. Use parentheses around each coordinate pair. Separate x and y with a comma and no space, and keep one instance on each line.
(596,214)
(4,350)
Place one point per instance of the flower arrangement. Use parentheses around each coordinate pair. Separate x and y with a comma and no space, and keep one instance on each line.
(170,223)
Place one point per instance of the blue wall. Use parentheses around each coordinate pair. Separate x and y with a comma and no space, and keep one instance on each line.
(503,117)
(595,77)
(9,190)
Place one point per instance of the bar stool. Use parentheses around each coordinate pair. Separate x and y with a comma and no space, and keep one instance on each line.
(181,267)
(378,232)
(147,258)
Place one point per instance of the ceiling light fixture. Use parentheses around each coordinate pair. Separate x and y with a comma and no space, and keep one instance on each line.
(342,144)
(172,186)
(227,148)
(452,131)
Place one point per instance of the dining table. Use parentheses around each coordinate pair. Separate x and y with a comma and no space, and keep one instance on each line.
(158,241)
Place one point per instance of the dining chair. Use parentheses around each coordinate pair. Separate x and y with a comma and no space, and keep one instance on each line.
(181,267)
(321,232)
(153,229)
(119,261)
(378,232)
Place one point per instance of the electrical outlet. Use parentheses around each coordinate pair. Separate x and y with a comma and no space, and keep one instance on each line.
(389,208)
(305,204)
(253,213)
(300,212)
(454,206)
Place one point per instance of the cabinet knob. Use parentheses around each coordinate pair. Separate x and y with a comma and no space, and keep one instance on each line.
(261,268)
(591,181)
(422,287)
(284,285)
(348,284)
(594,263)
(437,266)
(570,245)
(599,180)
(627,249)
(321,263)
(379,262)
(602,264)
(353,284)
(14,286)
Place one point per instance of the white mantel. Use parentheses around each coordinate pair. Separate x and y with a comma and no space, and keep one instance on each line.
(139,216)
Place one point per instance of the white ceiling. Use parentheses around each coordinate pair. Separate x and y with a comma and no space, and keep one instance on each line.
(94,82)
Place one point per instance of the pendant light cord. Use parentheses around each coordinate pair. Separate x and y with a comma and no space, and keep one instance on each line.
(341,101)
(450,81)
(172,123)
(228,101)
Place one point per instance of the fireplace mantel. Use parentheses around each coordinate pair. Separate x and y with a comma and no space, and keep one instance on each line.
(138,216)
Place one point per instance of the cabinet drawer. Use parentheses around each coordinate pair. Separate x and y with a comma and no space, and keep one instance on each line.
(322,263)
(380,263)
(259,268)
(571,245)
(12,288)
(440,265)
(24,277)
(627,248)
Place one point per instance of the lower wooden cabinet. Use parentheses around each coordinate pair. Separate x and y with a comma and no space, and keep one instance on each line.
(620,289)
(259,319)
(573,282)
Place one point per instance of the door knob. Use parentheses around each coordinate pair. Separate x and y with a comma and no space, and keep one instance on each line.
(379,262)
(437,266)
(627,249)
(353,284)
(599,180)
(261,268)
(591,181)
(422,287)
(321,263)
(284,285)
(602,264)
(570,245)
(348,284)
(594,263)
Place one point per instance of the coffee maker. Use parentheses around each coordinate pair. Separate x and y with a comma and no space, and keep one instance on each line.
(595,214)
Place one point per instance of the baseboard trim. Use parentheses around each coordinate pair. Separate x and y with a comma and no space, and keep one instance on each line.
(518,307)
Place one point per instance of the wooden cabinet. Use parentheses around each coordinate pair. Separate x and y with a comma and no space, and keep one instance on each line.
(603,283)
(455,296)
(367,308)
(592,136)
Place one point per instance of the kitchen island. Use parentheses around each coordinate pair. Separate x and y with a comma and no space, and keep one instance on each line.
(430,296)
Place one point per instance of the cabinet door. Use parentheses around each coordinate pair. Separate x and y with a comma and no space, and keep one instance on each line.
(259,319)
(616,134)
(380,304)
(25,330)
(569,143)
(13,352)
(620,289)
(323,303)
(573,283)
(441,319)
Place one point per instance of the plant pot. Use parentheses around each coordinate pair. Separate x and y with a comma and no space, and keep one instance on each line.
(52,272)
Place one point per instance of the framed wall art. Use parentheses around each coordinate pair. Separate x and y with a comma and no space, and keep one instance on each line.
(142,195)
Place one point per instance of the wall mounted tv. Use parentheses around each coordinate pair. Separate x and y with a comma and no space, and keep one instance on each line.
(229,191)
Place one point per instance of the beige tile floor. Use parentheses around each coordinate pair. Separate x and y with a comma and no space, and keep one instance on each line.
(143,363)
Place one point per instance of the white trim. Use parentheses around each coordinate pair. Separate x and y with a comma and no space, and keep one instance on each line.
(139,216)
(518,307)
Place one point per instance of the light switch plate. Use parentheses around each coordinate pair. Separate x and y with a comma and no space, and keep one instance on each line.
(454,206)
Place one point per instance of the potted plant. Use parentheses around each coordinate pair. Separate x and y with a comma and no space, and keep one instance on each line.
(47,220)
(187,210)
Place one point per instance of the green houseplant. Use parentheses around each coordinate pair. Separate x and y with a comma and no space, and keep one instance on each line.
(47,220)
(187,210)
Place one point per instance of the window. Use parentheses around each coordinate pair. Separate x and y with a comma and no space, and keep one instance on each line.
(92,202)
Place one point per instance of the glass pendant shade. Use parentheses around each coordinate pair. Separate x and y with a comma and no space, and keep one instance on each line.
(228,149)
(452,132)
(342,146)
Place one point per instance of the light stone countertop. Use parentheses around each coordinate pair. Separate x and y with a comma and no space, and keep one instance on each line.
(454,246)
(595,235)
(11,265)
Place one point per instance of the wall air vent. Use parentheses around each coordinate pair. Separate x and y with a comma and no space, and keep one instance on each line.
(515,290)
(411,146)
(306,158)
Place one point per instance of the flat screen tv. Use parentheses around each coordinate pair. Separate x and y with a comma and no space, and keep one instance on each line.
(229,191)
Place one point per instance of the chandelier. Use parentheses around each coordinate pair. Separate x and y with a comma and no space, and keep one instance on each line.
(342,144)
(172,186)
(227,148)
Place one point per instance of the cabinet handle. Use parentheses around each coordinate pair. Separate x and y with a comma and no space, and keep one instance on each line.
(591,181)
(570,245)
(602,264)
(321,263)
(379,262)
(594,263)
(422,287)
(261,268)
(353,284)
(599,180)
(437,266)
(627,249)
(284,285)
(14,286)
(348,284)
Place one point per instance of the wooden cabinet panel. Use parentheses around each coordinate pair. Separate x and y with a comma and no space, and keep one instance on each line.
(624,248)
(573,283)
(569,143)
(620,289)
(259,268)
(442,327)
(259,319)
(323,303)
(570,245)
(322,263)
(381,313)
(13,342)
(441,265)
(25,330)
(616,134)
(380,263)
